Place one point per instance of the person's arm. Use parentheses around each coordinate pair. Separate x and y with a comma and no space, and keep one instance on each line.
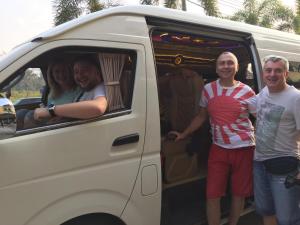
(194,125)
(297,119)
(252,104)
(79,110)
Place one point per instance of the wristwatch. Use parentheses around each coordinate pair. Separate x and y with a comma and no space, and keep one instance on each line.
(51,108)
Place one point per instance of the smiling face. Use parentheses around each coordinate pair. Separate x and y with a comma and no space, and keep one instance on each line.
(86,75)
(274,75)
(60,74)
(227,66)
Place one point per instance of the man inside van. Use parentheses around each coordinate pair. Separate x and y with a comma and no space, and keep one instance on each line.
(277,146)
(91,103)
(226,101)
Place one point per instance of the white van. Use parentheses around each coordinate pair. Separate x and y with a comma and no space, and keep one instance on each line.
(121,168)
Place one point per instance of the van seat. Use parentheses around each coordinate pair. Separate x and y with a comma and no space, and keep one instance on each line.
(186,91)
(178,164)
(181,106)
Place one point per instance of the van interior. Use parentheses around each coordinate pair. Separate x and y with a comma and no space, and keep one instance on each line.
(185,62)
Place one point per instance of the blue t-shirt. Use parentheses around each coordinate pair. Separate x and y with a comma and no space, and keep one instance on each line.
(66,97)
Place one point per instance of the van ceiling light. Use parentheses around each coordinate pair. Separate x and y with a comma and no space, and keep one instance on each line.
(164,34)
(186,38)
(178,59)
(214,42)
(198,40)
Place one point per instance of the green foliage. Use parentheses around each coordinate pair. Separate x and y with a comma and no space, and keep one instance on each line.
(110,3)
(94,6)
(32,81)
(173,4)
(210,7)
(149,2)
(29,86)
(298,7)
(285,18)
(296,24)
(266,13)
(66,10)
(16,95)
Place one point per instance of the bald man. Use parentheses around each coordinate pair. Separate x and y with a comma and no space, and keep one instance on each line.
(228,103)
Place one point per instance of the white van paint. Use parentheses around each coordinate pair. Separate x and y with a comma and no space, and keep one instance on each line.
(52,176)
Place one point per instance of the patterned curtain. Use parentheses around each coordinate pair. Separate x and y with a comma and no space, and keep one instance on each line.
(111,67)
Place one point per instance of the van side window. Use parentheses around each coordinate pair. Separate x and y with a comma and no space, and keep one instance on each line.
(294,74)
(32,89)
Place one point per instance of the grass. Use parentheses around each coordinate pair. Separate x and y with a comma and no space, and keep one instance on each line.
(16,95)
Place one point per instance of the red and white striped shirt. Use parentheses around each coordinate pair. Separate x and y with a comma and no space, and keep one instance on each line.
(228,109)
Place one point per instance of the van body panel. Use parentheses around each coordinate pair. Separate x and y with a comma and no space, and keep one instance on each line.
(14,54)
(145,209)
(267,45)
(65,172)
(71,194)
(165,13)
(90,201)
(149,206)
(132,26)
(55,169)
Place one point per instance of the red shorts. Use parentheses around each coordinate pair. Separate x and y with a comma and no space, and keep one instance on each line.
(238,162)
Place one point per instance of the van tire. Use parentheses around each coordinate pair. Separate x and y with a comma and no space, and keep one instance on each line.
(95,219)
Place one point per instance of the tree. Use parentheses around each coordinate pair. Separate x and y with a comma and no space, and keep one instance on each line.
(297,6)
(285,19)
(296,22)
(32,82)
(266,13)
(66,10)
(110,3)
(173,4)
(149,2)
(94,6)
(210,7)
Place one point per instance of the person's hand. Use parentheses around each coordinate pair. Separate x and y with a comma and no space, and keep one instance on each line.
(41,113)
(176,136)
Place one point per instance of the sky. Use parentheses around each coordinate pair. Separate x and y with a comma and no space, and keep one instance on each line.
(22,19)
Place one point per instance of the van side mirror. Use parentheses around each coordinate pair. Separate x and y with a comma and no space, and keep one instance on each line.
(8,123)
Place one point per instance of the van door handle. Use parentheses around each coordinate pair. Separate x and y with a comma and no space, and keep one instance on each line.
(127,139)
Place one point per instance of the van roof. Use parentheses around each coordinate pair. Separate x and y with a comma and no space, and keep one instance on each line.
(170,14)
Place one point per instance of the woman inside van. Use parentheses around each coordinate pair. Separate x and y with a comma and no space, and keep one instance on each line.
(62,90)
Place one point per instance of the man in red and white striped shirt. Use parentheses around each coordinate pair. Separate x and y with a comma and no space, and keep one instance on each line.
(227,102)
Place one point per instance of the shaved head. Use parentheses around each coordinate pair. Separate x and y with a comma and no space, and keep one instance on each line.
(228,53)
